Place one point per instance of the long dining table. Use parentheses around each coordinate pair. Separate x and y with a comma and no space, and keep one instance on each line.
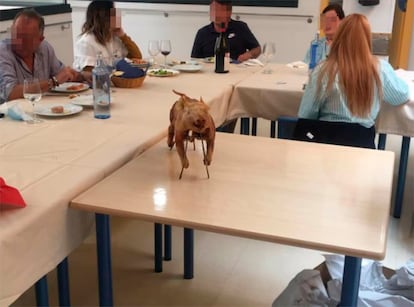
(54,161)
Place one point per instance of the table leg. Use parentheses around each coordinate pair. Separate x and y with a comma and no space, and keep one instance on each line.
(63,283)
(402,173)
(167,242)
(188,253)
(158,247)
(350,281)
(254,126)
(42,296)
(103,245)
(273,129)
(245,125)
(382,139)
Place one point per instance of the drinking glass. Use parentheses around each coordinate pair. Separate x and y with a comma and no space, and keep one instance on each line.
(33,93)
(153,49)
(165,50)
(269,51)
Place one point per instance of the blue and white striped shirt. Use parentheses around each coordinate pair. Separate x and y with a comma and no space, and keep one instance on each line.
(332,106)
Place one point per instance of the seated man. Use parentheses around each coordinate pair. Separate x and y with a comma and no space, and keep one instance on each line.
(27,55)
(242,43)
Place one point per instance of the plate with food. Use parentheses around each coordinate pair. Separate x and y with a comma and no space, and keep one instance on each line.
(140,63)
(209,59)
(57,110)
(162,72)
(71,87)
(190,67)
(81,100)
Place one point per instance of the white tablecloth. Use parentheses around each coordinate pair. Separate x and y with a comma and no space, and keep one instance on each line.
(52,162)
(278,94)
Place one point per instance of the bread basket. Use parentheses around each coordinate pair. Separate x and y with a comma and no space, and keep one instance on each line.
(127,83)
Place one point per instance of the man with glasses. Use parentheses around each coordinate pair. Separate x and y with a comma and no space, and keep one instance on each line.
(330,19)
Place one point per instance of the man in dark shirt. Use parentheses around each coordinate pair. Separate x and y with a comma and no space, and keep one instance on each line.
(243,45)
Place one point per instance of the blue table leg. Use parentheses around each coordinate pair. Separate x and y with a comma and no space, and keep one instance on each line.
(273,129)
(382,139)
(402,172)
(167,242)
(157,247)
(103,245)
(350,281)
(254,126)
(244,125)
(188,253)
(42,297)
(63,283)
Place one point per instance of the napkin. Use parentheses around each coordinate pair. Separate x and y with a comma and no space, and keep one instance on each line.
(129,70)
(16,113)
(253,62)
(10,197)
(297,64)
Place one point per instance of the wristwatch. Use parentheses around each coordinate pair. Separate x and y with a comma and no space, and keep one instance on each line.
(55,81)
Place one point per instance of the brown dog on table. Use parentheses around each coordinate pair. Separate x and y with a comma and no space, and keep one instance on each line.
(189,114)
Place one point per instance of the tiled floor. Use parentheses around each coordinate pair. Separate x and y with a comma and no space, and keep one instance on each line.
(229,271)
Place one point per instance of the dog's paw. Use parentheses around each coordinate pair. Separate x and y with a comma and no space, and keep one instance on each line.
(185,163)
(170,144)
(207,161)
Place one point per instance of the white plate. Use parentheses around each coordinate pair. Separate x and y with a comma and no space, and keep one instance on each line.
(65,87)
(68,109)
(83,100)
(170,72)
(188,67)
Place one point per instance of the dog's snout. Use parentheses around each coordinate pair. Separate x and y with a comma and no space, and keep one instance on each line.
(199,123)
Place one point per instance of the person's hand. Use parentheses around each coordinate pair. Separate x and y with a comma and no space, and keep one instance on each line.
(66,74)
(86,76)
(244,57)
(118,32)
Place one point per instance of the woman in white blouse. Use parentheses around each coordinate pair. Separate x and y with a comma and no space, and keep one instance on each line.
(102,32)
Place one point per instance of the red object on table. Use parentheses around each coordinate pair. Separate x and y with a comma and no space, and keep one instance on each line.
(10,197)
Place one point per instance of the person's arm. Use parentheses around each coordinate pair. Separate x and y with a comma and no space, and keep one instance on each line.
(196,50)
(250,43)
(395,90)
(131,46)
(250,54)
(309,105)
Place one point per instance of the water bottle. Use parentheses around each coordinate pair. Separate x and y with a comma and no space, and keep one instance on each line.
(314,53)
(222,52)
(101,89)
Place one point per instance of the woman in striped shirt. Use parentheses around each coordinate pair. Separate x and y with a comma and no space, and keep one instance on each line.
(351,83)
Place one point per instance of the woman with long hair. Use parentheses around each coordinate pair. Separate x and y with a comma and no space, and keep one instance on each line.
(102,32)
(351,83)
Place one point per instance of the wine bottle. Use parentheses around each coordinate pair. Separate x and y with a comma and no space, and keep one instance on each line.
(222,52)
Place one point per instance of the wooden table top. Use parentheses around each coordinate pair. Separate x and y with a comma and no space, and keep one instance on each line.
(324,197)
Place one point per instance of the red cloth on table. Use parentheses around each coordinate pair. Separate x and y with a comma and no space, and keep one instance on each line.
(10,197)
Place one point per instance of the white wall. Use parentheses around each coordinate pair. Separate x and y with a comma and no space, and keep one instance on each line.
(145,21)
(380,16)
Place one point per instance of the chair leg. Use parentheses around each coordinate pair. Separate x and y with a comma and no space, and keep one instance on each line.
(402,173)
(254,126)
(244,125)
(382,139)
(273,129)
(42,296)
(63,283)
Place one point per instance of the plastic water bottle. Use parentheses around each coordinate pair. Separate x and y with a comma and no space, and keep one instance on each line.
(314,53)
(101,89)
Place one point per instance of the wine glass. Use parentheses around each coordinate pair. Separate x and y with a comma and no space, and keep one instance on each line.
(165,50)
(33,93)
(269,51)
(153,49)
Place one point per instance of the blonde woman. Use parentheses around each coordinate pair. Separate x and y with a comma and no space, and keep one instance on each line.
(351,83)
(102,32)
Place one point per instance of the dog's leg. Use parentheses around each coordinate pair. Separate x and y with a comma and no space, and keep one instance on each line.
(179,144)
(210,147)
(170,140)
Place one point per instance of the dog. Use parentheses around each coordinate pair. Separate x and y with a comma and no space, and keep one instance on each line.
(191,115)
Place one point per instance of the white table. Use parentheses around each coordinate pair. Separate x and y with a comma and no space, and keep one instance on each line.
(270,96)
(54,161)
(287,192)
